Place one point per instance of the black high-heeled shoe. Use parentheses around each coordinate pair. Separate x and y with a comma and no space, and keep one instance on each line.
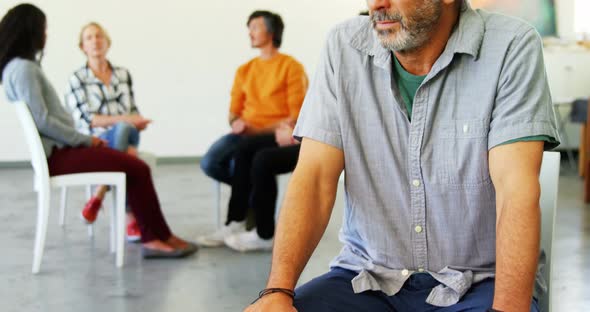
(148,253)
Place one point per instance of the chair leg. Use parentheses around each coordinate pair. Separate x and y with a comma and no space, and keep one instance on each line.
(120,218)
(43,201)
(582,152)
(586,152)
(88,196)
(63,206)
(217,191)
(113,222)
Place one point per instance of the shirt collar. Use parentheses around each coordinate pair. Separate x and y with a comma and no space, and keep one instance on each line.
(365,40)
(468,34)
(466,38)
(93,78)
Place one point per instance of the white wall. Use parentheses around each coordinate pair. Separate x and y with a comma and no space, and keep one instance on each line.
(565,18)
(182,54)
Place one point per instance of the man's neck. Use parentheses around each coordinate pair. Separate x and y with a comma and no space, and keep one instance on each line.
(420,61)
(100,65)
(268,51)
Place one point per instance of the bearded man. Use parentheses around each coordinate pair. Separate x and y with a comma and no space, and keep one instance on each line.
(438,114)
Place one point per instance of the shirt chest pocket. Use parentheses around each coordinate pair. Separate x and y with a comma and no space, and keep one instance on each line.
(461,150)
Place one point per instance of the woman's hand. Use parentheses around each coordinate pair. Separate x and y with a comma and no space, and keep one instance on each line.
(98,142)
(138,121)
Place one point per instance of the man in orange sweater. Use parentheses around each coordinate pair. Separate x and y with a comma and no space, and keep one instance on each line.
(266,97)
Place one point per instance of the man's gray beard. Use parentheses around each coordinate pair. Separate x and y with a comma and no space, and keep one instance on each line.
(402,41)
(414,31)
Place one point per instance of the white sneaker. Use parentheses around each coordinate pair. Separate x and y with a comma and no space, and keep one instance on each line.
(248,241)
(217,238)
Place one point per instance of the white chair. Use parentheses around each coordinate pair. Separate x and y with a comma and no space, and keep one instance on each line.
(549,180)
(43,184)
(217,192)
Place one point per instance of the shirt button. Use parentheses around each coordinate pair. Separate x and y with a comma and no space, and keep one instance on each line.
(405,272)
(421,270)
(416,183)
(418,229)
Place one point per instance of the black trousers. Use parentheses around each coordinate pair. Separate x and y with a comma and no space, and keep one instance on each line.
(257,161)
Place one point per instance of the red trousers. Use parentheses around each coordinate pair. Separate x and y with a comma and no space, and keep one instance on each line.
(141,194)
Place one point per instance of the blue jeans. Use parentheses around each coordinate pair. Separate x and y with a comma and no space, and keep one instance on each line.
(218,162)
(333,292)
(121,136)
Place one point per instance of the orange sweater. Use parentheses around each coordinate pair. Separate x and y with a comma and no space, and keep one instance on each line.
(268,91)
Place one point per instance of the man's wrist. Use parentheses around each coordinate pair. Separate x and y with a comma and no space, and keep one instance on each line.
(279,294)
(286,293)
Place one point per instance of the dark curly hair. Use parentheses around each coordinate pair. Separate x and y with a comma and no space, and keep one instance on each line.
(22,34)
(274,25)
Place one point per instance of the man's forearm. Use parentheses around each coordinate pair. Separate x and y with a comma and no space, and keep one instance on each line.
(517,252)
(303,220)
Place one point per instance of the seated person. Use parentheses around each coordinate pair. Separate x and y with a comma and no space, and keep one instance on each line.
(22,38)
(268,91)
(100,99)
(257,162)
(440,130)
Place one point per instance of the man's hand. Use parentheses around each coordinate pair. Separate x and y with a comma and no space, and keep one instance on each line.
(98,142)
(238,126)
(276,302)
(284,135)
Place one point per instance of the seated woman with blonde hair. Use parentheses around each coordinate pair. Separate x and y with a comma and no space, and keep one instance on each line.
(100,99)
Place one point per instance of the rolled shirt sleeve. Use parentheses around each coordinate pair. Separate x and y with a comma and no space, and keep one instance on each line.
(319,118)
(523,106)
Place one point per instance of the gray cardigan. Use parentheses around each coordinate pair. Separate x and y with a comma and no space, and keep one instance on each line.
(24,81)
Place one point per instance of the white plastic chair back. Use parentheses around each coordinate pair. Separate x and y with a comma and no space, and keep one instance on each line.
(43,183)
(38,157)
(549,180)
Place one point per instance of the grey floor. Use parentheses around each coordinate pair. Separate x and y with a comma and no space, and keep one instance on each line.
(78,273)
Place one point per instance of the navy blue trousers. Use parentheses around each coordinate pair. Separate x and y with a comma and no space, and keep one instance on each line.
(333,292)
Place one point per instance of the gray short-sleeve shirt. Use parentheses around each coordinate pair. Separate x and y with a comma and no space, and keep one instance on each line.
(419,197)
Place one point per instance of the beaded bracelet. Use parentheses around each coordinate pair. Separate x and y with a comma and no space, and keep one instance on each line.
(268,291)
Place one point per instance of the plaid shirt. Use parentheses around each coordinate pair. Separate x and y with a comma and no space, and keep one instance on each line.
(88,96)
